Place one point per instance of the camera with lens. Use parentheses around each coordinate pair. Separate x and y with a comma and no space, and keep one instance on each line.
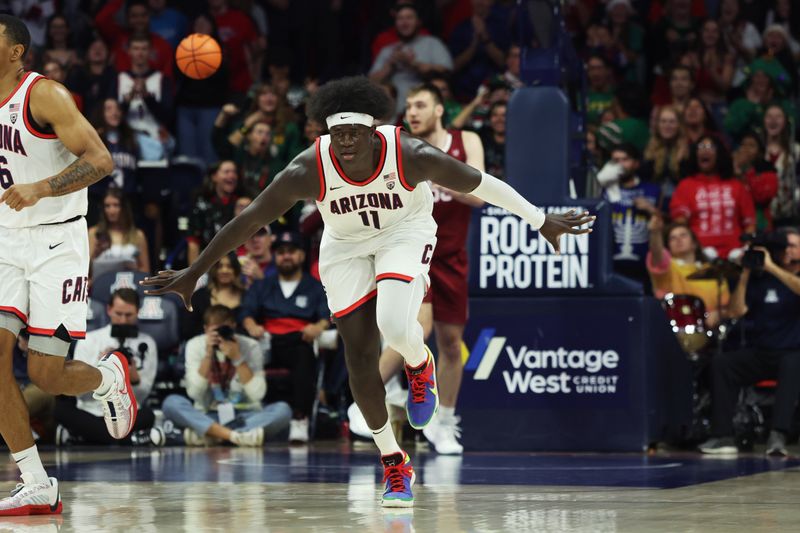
(226,332)
(121,332)
(775,243)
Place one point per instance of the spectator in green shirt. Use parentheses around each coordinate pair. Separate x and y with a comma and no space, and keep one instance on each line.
(630,108)
(601,88)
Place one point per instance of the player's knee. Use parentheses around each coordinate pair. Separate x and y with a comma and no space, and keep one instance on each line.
(451,348)
(395,332)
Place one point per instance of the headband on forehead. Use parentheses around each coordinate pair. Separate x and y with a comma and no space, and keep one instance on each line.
(337,119)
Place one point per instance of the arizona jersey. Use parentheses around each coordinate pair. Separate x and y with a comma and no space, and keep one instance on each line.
(452,216)
(28,155)
(354,211)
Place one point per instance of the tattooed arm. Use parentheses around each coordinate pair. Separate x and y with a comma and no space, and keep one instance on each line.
(52,105)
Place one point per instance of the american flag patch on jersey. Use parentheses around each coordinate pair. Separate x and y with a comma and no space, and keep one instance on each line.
(13,109)
(388,179)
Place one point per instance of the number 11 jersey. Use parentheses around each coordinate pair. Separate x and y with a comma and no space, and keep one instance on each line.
(357,211)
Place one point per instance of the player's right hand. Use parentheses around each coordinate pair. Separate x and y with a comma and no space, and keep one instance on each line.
(181,282)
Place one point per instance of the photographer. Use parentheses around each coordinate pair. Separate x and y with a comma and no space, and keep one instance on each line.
(225,378)
(769,294)
(82,421)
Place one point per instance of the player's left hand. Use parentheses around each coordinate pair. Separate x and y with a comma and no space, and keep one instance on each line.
(21,195)
(556,225)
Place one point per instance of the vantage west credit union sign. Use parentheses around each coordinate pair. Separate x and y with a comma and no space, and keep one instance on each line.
(507,256)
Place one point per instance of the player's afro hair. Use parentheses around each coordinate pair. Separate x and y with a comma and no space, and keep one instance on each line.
(355,94)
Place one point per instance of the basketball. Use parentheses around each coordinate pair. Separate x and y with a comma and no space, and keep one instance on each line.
(198,56)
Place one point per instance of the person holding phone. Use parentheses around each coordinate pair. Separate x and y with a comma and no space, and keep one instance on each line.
(226,385)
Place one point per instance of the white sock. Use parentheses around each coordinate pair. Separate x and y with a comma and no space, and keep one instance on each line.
(106,380)
(417,361)
(384,439)
(447,412)
(29,463)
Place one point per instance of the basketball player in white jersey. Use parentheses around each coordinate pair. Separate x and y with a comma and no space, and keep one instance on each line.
(49,154)
(370,184)
(445,307)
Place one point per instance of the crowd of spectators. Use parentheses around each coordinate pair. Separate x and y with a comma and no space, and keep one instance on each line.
(690,121)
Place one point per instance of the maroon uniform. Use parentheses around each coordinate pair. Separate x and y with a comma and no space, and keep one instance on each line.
(448,272)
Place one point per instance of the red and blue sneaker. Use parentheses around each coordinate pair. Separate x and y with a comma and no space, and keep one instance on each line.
(423,394)
(399,476)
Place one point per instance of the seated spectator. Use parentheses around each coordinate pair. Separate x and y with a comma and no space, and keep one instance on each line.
(475,114)
(406,62)
(670,267)
(256,258)
(95,80)
(83,421)
(479,46)
(493,137)
(116,237)
(291,307)
(390,35)
(226,385)
(678,92)
(199,101)
(252,153)
(111,124)
(213,206)
(770,299)
(167,22)
(697,121)
(58,44)
(781,14)
(311,131)
(451,106)
(766,82)
(35,14)
(627,38)
(717,208)
(242,43)
(759,176)
(632,201)
(740,35)
(56,72)
(146,96)
(600,92)
(629,107)
(159,54)
(676,31)
(273,109)
(666,154)
(713,64)
(778,44)
(783,152)
(41,405)
(224,287)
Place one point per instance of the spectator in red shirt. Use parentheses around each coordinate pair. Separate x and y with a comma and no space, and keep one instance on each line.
(390,35)
(137,14)
(243,44)
(717,208)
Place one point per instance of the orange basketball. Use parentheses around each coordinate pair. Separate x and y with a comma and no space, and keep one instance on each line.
(198,56)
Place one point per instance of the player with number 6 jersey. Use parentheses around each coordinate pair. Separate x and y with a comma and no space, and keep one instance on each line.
(49,155)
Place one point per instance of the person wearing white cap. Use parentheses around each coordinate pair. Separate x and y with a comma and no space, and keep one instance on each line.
(370,184)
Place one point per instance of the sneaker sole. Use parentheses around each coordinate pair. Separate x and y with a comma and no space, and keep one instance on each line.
(134,409)
(435,407)
(30,510)
(728,450)
(394,502)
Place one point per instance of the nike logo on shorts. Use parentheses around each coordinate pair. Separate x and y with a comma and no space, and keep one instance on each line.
(56,245)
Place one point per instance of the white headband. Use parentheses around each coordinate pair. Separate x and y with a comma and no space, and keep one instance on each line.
(338,119)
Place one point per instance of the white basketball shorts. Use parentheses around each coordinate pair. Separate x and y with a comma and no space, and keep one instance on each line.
(351,270)
(44,278)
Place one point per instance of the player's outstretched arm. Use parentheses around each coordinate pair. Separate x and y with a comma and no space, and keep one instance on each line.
(297,181)
(51,104)
(420,159)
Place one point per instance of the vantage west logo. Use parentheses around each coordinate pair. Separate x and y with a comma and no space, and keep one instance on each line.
(551,371)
